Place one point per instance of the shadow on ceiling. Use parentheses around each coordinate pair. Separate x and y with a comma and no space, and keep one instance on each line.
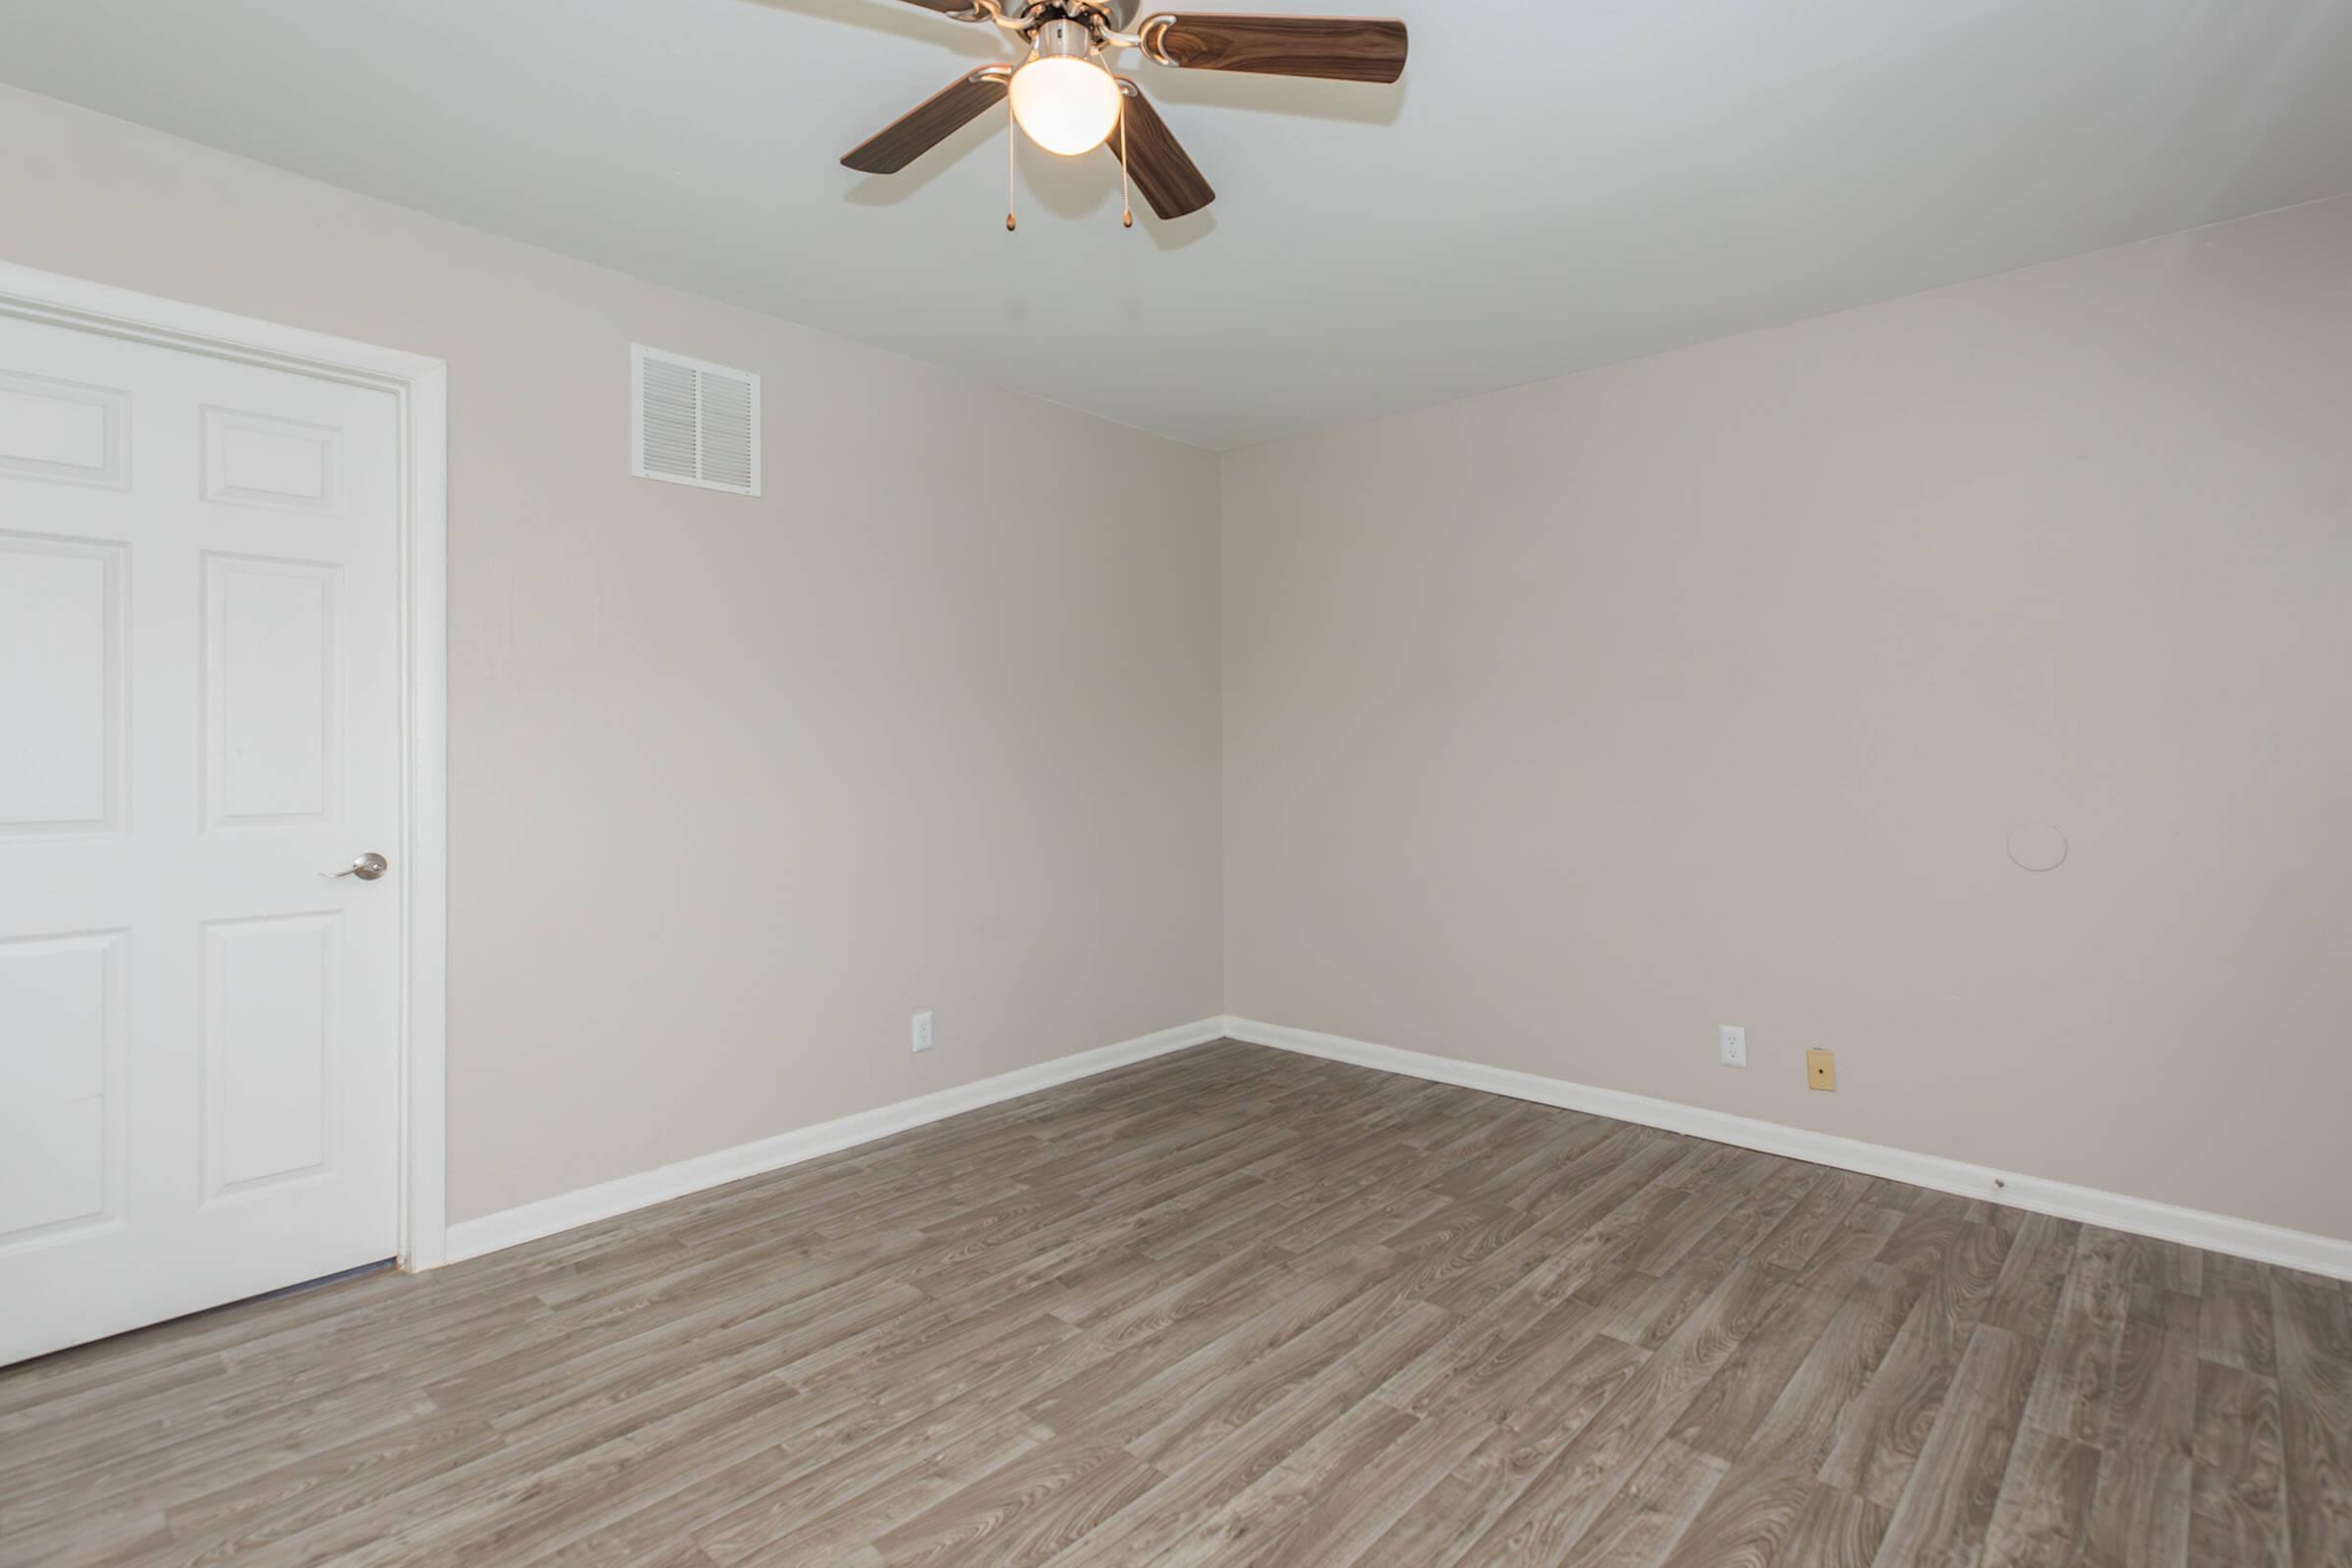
(1069,189)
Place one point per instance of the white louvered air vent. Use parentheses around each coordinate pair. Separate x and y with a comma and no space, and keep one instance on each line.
(693,423)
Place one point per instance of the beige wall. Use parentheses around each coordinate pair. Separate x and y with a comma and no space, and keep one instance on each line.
(1563,724)
(736,785)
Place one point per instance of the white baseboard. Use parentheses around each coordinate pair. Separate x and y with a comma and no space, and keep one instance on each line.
(2218,1233)
(549,1216)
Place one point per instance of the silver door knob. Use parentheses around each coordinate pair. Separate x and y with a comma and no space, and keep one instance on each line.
(368,867)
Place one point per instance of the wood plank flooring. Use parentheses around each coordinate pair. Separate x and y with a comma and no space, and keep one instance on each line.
(1239,1307)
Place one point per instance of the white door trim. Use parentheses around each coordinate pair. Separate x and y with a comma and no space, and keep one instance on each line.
(421,387)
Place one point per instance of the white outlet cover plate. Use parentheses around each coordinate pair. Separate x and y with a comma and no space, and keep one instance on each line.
(1733,1039)
(922,1031)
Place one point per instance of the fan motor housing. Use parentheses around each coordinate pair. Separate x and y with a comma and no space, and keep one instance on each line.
(1064,35)
(1109,15)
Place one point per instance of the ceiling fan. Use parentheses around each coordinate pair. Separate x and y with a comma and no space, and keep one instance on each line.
(1069,102)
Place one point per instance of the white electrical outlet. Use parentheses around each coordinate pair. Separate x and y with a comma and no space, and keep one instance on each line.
(922,1031)
(1730,1036)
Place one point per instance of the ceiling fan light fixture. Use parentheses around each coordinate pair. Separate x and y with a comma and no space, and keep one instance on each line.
(1063,98)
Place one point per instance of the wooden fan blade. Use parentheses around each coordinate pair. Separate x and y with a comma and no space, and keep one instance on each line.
(930,122)
(943,7)
(1339,48)
(1155,160)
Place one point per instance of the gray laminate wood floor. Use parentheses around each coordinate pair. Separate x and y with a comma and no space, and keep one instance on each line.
(1233,1306)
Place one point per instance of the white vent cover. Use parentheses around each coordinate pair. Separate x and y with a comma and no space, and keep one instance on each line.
(693,423)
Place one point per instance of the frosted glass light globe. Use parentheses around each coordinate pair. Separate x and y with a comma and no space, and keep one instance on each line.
(1066,105)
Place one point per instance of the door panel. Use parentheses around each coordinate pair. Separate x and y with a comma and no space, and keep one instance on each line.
(199,687)
(61,684)
(61,1097)
(253,459)
(272,703)
(269,1047)
(63,430)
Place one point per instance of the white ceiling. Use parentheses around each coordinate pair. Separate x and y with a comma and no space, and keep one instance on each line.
(1557,183)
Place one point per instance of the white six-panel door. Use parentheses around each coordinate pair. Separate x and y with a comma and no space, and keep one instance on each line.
(199,710)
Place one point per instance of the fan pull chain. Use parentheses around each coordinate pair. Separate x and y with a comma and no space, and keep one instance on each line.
(1126,200)
(1013,136)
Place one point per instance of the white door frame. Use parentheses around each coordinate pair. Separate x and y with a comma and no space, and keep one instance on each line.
(421,387)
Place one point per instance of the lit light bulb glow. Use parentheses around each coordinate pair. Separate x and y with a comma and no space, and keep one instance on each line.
(1066,105)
